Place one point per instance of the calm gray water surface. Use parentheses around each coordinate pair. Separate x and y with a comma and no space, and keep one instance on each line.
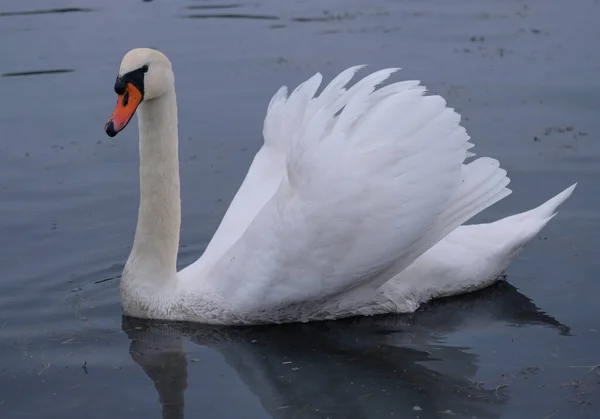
(523,73)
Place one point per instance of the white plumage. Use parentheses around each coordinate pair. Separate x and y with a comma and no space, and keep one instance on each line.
(353,205)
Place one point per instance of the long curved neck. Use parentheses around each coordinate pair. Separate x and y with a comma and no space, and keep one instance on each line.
(154,252)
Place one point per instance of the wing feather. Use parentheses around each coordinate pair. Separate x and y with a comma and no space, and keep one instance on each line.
(367,175)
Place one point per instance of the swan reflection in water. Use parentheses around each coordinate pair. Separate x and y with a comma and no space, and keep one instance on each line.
(361,367)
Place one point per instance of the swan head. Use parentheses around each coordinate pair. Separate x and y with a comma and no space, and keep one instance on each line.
(145,74)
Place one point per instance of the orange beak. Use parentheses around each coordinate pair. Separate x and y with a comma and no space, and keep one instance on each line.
(127,103)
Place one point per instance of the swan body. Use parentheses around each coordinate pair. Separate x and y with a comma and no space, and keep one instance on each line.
(354,205)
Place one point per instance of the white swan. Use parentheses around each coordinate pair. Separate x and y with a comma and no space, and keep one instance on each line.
(353,206)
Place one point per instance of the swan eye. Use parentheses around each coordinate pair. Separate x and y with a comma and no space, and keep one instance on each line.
(145,68)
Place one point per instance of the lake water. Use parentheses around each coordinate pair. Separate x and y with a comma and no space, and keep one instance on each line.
(523,73)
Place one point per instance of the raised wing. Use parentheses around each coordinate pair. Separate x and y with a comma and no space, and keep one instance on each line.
(368,175)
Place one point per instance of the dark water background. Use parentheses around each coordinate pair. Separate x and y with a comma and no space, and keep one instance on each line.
(525,75)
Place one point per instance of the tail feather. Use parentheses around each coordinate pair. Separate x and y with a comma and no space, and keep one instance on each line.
(520,229)
(545,211)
